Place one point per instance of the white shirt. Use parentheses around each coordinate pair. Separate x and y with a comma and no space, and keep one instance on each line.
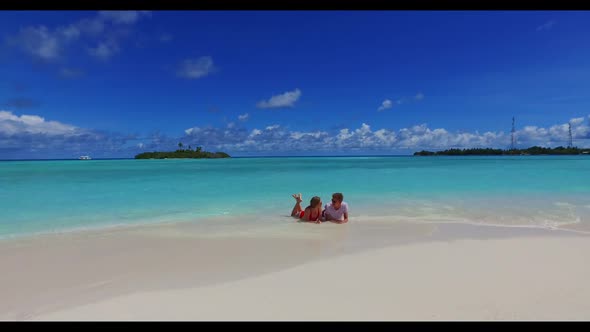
(336,214)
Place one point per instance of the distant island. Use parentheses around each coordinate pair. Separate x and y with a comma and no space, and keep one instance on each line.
(182,153)
(535,150)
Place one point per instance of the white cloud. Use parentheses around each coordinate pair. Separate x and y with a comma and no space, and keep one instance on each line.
(123,16)
(104,50)
(32,136)
(422,137)
(286,99)
(386,104)
(47,44)
(559,130)
(532,133)
(255,132)
(70,32)
(27,131)
(556,134)
(343,135)
(90,26)
(196,68)
(40,42)
(11,124)
(275,139)
(546,26)
(386,137)
(217,137)
(363,130)
(312,135)
(244,117)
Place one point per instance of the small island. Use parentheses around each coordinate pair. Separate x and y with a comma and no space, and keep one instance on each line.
(535,150)
(197,153)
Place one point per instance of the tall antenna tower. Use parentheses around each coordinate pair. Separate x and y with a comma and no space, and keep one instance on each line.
(570,142)
(512,136)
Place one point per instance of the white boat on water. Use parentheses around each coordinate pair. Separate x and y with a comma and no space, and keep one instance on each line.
(84,158)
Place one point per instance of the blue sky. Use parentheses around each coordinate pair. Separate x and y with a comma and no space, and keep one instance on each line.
(112,84)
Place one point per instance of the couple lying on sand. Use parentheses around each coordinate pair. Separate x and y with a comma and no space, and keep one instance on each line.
(336,211)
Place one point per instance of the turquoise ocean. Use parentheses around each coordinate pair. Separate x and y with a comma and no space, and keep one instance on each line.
(524,191)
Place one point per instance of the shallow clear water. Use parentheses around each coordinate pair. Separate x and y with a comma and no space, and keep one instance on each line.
(537,191)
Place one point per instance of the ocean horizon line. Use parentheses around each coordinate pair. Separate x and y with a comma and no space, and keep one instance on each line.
(241,157)
(305,156)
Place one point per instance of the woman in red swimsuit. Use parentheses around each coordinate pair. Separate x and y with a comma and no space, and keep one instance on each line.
(312,213)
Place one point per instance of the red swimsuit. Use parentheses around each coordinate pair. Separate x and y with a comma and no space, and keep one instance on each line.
(310,218)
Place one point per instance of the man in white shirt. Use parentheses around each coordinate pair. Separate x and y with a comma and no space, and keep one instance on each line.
(337,210)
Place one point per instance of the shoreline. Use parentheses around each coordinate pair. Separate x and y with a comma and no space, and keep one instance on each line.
(82,270)
(75,231)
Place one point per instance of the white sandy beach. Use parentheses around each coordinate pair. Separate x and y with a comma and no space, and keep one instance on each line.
(443,272)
